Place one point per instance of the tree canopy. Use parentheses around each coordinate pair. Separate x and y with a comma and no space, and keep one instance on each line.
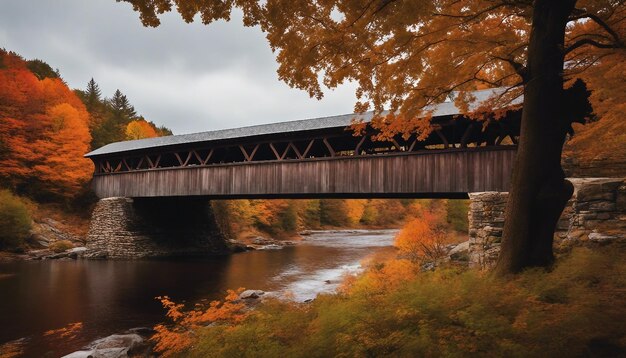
(44,132)
(46,128)
(406,55)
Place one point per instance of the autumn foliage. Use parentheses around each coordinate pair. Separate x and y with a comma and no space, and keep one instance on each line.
(421,240)
(576,309)
(44,132)
(284,217)
(179,335)
(140,129)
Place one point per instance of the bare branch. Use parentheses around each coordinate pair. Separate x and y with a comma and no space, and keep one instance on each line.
(591,42)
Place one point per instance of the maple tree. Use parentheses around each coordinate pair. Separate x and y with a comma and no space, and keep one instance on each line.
(44,132)
(406,55)
(139,129)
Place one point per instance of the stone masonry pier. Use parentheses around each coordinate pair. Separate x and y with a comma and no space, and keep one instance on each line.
(125,228)
(596,213)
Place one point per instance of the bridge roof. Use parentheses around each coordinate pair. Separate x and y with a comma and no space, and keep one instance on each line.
(447,108)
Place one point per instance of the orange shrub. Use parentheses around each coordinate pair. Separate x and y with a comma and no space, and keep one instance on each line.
(180,336)
(422,239)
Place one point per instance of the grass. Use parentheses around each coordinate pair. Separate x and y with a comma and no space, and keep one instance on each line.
(576,309)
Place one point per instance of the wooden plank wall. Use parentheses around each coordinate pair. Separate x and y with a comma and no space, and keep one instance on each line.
(445,173)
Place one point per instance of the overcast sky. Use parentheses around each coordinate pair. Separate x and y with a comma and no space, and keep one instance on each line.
(188,77)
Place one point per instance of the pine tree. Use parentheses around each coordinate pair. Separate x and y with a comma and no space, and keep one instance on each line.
(121,109)
(92,96)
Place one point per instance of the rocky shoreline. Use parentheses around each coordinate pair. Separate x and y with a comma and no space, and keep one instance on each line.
(136,342)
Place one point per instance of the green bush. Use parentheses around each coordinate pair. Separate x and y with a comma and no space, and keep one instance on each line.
(456,214)
(333,212)
(61,246)
(15,221)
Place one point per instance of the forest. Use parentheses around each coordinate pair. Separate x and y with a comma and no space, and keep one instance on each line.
(45,129)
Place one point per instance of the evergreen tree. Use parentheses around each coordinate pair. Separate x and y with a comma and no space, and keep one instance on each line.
(93,96)
(121,109)
(41,69)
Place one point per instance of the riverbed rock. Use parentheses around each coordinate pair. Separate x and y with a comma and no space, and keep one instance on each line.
(260,240)
(251,294)
(271,247)
(460,252)
(76,252)
(113,346)
(601,238)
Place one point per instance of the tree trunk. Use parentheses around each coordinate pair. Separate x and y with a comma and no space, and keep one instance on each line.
(539,190)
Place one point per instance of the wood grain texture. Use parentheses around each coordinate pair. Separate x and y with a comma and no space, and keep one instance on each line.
(443,173)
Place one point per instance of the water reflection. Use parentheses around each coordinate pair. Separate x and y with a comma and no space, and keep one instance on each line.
(111,296)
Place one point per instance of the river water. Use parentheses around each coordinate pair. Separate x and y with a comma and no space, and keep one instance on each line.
(111,296)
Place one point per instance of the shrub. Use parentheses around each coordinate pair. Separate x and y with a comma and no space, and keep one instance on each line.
(15,221)
(60,246)
(456,214)
(422,240)
(576,309)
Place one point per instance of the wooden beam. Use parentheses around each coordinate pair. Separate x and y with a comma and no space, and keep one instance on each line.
(446,145)
(308,148)
(357,150)
(195,154)
(395,143)
(180,161)
(126,164)
(278,157)
(243,151)
(256,147)
(248,157)
(156,162)
(295,150)
(188,159)
(150,163)
(139,164)
(208,156)
(330,148)
(466,135)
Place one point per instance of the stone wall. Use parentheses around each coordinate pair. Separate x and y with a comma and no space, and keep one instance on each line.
(486,221)
(123,228)
(596,213)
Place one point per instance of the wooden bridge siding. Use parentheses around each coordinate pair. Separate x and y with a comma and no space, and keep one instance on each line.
(415,173)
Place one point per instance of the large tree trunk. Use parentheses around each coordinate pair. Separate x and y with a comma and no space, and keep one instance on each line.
(539,191)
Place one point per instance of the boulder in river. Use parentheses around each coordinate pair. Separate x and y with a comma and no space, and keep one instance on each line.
(251,294)
(113,346)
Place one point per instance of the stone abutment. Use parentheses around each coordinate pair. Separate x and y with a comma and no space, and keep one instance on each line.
(125,228)
(595,214)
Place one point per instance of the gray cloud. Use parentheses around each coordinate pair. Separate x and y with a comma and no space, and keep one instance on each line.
(189,77)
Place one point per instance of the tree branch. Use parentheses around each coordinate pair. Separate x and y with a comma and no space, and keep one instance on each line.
(591,42)
(518,67)
(600,22)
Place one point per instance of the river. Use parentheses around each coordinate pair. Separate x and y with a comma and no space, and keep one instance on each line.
(111,296)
